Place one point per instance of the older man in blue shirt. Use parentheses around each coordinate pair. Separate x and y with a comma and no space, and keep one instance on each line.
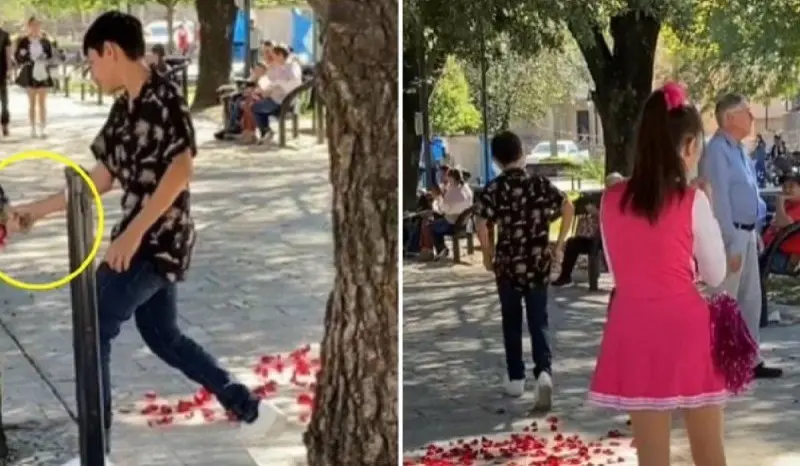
(736,204)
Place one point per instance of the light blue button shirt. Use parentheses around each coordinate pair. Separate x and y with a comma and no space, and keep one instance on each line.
(735,195)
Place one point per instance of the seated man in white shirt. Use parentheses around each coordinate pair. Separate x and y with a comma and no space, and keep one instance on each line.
(284,78)
(455,199)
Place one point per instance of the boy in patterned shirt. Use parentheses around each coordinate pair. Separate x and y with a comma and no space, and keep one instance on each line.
(522,207)
(147,145)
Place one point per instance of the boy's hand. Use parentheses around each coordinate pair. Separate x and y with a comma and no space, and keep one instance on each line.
(121,252)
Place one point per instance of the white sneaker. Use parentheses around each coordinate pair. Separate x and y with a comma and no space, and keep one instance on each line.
(544,392)
(268,418)
(77,462)
(33,131)
(42,133)
(774,317)
(515,388)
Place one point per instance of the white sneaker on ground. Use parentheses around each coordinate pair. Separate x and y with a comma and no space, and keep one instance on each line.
(33,132)
(268,419)
(544,392)
(77,462)
(42,132)
(515,388)
(774,317)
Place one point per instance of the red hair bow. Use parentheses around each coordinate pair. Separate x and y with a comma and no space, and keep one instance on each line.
(675,95)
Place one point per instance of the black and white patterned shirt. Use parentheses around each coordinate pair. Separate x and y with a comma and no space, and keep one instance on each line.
(137,144)
(522,206)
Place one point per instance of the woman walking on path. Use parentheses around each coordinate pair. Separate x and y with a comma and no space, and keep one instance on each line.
(656,355)
(33,54)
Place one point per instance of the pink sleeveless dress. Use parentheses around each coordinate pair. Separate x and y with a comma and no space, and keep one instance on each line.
(656,347)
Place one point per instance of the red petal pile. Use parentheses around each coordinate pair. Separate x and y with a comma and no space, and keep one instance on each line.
(294,372)
(526,448)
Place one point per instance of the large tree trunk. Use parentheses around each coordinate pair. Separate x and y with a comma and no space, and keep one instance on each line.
(355,409)
(412,143)
(623,79)
(216,26)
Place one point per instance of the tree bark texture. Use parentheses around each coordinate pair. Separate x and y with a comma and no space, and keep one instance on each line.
(355,409)
(623,78)
(216,24)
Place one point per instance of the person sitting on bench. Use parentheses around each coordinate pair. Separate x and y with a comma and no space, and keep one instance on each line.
(456,197)
(284,77)
(586,231)
(787,211)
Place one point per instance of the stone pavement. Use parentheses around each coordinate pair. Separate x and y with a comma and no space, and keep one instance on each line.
(258,285)
(453,365)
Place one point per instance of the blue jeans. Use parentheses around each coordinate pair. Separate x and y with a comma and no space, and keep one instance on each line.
(535,302)
(145,294)
(262,110)
(440,228)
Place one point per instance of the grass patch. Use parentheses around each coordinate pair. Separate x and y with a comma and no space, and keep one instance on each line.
(783,290)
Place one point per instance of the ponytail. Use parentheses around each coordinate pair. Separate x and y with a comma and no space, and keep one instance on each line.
(658,175)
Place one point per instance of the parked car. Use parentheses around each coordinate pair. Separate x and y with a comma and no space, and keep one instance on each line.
(157,33)
(565,149)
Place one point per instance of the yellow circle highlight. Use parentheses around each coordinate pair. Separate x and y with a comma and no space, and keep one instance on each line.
(98,235)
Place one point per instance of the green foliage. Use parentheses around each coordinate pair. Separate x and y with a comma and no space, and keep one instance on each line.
(523,88)
(451,108)
(592,169)
(732,45)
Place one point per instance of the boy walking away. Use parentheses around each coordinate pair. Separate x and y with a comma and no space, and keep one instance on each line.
(147,145)
(522,207)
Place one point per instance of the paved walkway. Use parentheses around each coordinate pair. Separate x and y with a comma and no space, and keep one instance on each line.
(453,364)
(257,287)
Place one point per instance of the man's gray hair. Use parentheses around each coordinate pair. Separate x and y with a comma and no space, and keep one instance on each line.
(727,103)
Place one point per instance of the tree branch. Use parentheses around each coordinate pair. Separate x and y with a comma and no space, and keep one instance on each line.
(593,47)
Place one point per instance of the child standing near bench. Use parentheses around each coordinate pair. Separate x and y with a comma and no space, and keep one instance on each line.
(523,207)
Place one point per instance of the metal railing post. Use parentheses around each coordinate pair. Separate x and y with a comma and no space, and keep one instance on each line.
(88,384)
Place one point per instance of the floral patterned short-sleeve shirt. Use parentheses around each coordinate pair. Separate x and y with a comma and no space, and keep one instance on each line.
(137,144)
(522,207)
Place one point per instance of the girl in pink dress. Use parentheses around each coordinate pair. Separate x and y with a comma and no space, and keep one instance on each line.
(655,357)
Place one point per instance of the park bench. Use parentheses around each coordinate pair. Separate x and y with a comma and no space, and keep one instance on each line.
(767,268)
(291,108)
(595,256)
(463,228)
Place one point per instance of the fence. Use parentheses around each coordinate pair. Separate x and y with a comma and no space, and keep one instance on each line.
(74,75)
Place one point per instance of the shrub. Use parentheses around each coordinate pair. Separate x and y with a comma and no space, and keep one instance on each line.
(451,109)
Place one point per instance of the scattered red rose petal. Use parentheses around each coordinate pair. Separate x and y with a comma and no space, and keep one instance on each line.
(520,449)
(271,371)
